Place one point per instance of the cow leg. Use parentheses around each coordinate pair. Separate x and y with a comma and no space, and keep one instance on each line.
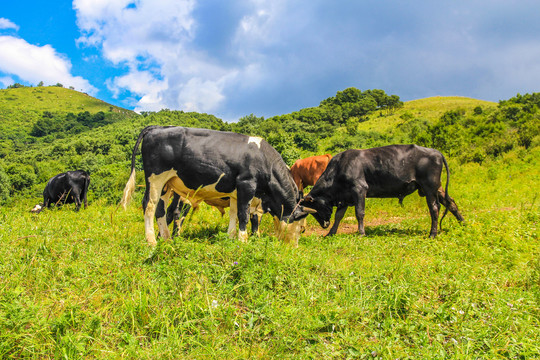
(176,213)
(154,187)
(245,194)
(242,206)
(161,214)
(76,198)
(233,217)
(254,219)
(340,212)
(46,203)
(449,204)
(180,215)
(360,211)
(85,199)
(433,206)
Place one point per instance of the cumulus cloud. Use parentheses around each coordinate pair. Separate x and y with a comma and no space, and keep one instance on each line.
(7,24)
(38,63)
(269,57)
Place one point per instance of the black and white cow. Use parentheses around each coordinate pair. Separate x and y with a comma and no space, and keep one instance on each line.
(383,172)
(202,164)
(66,188)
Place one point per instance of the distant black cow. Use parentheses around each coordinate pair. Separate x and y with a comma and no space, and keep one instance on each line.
(202,164)
(66,188)
(383,172)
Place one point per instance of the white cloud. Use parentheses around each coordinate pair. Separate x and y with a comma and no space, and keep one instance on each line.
(271,57)
(6,81)
(154,39)
(7,24)
(38,63)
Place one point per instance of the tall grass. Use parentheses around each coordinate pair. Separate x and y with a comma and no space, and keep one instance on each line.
(86,285)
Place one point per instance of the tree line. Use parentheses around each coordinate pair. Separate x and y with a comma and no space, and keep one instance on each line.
(101,143)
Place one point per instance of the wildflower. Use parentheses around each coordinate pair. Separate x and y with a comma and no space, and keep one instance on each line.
(214,304)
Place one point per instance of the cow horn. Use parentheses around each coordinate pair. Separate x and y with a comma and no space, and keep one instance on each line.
(309,210)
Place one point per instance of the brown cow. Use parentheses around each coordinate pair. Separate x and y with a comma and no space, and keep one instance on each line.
(307,171)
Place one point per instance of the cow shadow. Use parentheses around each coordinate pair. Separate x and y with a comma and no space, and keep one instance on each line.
(385,230)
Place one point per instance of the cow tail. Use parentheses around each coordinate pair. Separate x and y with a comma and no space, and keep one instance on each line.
(446,196)
(86,185)
(130,185)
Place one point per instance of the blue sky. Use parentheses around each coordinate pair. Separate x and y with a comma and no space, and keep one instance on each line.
(235,58)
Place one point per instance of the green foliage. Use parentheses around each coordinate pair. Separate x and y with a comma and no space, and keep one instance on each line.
(100,140)
(21,176)
(5,186)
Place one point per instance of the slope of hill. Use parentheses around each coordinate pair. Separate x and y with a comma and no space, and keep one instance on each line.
(53,99)
(430,109)
(21,108)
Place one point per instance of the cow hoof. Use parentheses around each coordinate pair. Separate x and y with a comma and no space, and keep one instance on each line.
(243,236)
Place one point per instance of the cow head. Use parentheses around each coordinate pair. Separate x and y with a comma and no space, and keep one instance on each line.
(320,208)
(288,232)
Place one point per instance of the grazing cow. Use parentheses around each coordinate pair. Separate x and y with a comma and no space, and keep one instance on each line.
(202,164)
(66,188)
(307,171)
(179,208)
(383,172)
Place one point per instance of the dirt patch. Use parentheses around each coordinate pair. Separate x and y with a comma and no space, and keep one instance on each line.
(349,225)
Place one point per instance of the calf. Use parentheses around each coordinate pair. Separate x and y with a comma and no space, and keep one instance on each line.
(307,171)
(66,188)
(383,172)
(202,164)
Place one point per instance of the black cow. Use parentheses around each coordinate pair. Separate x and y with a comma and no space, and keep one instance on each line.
(66,188)
(383,172)
(202,164)
(179,208)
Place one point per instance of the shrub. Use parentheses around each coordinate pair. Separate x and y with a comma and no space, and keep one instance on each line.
(21,176)
(5,185)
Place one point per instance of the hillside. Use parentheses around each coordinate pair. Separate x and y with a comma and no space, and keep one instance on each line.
(430,109)
(44,131)
(53,99)
(21,108)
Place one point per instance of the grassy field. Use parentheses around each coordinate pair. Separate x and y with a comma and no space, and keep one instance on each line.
(85,285)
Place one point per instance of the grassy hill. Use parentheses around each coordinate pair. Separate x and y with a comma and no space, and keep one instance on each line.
(430,109)
(53,99)
(21,108)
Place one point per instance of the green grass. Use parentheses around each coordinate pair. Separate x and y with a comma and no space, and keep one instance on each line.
(52,98)
(21,108)
(430,109)
(85,285)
